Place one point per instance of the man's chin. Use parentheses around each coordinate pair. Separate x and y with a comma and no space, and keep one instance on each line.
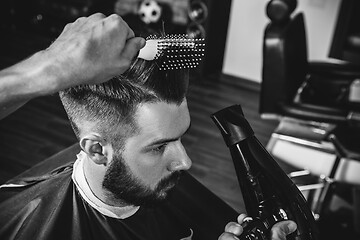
(161,194)
(151,198)
(160,198)
(164,193)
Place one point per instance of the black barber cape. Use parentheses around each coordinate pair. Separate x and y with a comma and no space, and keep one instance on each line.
(50,207)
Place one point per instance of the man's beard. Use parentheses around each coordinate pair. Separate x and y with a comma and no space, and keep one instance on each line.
(125,187)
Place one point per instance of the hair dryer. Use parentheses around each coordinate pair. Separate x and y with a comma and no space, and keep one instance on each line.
(269,195)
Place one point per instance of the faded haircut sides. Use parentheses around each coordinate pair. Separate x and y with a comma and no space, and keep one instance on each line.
(113,103)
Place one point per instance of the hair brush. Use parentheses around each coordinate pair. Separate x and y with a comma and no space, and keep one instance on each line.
(172,52)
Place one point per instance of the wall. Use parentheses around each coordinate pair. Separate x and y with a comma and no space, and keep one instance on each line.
(179,8)
(243,53)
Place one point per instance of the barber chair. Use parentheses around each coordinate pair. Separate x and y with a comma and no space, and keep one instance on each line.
(317,104)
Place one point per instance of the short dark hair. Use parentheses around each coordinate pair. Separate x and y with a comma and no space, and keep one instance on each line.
(114,102)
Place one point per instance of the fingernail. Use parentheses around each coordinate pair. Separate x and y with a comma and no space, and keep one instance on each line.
(142,42)
(292,226)
(248,219)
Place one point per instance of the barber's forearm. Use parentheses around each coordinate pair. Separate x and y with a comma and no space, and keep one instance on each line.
(90,50)
(28,79)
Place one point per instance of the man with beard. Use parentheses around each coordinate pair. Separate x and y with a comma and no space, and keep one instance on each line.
(131,157)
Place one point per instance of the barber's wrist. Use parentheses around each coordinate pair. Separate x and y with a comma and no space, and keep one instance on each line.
(27,79)
(48,75)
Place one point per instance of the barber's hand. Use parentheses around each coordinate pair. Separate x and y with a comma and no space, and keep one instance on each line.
(89,51)
(92,50)
(278,232)
(281,229)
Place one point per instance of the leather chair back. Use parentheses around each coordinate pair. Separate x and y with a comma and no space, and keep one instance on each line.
(285,63)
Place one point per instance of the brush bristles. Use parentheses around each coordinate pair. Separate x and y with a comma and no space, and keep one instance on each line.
(174,52)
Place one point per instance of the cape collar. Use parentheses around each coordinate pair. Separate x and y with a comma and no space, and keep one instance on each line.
(83,187)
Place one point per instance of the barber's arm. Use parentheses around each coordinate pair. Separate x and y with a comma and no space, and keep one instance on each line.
(278,232)
(89,51)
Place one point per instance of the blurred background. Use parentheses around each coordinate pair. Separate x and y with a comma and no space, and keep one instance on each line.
(246,58)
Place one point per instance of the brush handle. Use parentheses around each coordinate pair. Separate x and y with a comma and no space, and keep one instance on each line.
(150,50)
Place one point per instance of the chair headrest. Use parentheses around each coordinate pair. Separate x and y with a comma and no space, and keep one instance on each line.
(280,10)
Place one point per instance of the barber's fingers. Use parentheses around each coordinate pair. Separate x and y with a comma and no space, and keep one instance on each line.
(243,218)
(232,231)
(234,228)
(227,236)
(281,229)
(80,22)
(115,22)
(92,19)
(132,47)
(96,16)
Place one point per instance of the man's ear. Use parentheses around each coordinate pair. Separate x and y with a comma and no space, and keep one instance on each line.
(95,147)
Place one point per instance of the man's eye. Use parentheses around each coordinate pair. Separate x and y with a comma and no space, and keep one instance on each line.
(160,148)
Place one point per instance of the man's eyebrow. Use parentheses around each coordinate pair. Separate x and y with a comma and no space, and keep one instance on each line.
(166,140)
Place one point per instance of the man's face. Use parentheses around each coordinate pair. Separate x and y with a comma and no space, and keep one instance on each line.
(150,163)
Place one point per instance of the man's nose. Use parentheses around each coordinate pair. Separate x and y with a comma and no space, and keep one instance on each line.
(180,159)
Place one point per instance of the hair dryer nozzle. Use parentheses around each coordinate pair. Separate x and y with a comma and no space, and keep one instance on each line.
(232,124)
